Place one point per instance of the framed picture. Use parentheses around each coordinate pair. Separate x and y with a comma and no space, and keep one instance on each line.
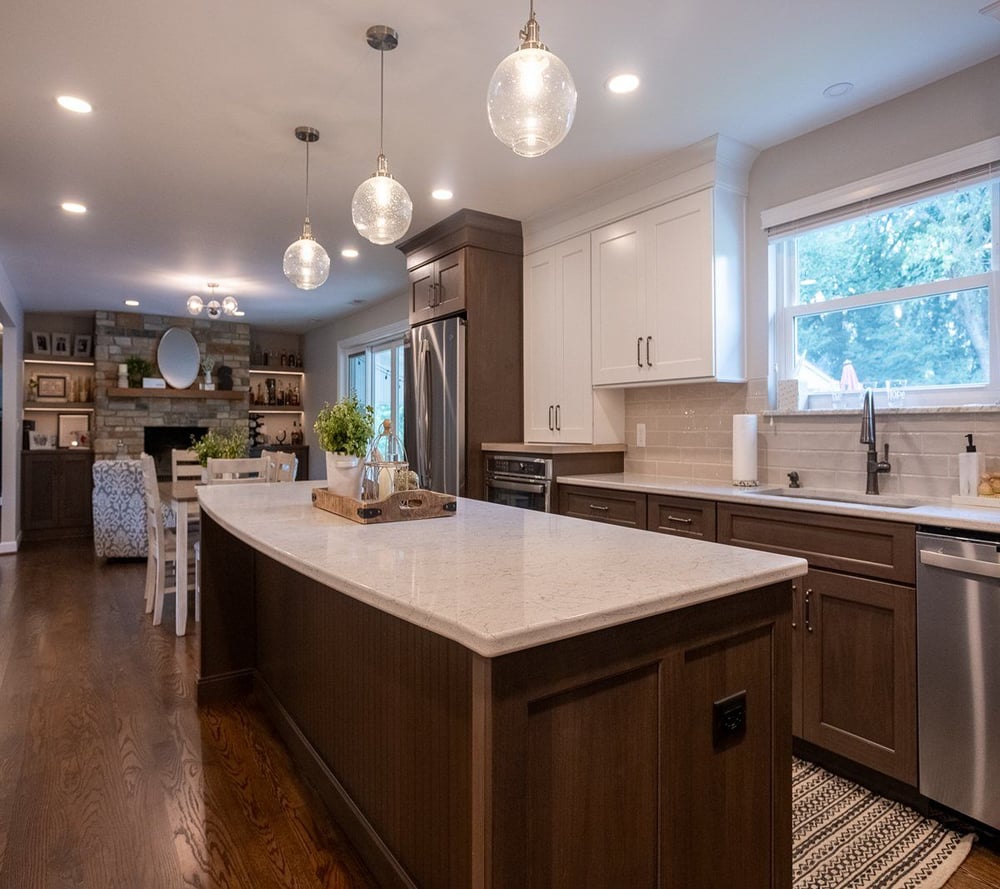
(51,386)
(81,345)
(41,344)
(74,430)
(61,344)
(40,441)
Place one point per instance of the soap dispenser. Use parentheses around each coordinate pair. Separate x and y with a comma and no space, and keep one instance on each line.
(970,468)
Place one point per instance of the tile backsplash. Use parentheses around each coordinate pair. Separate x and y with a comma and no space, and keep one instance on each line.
(689,435)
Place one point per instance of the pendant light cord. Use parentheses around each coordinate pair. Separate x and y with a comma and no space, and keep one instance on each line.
(381,101)
(307,179)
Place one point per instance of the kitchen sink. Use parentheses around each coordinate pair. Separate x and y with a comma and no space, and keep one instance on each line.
(894,501)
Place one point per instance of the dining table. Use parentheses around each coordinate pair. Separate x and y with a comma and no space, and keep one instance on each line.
(183,499)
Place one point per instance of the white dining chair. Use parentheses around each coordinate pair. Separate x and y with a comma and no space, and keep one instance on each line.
(281,466)
(185,465)
(161,563)
(222,470)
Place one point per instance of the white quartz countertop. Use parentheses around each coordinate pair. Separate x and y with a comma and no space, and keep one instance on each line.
(940,513)
(494,578)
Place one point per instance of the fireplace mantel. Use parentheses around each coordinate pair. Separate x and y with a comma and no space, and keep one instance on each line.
(228,394)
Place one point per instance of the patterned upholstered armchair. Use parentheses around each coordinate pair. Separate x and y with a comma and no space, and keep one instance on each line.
(119,509)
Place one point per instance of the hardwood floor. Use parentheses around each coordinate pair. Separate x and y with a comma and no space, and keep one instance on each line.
(110,776)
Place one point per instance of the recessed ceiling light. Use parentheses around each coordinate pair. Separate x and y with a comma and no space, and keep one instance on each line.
(72,103)
(131,303)
(239,313)
(349,253)
(623,83)
(836,90)
(73,207)
(442,194)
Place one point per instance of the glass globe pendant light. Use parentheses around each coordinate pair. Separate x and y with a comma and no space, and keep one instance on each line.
(381,208)
(307,264)
(532,98)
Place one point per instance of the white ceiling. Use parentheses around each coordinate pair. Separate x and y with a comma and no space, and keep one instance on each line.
(192,173)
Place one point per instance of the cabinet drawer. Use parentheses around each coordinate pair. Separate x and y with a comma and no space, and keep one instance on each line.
(684,516)
(603,505)
(867,547)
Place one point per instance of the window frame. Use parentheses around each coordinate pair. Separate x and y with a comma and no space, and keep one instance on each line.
(369,342)
(783,286)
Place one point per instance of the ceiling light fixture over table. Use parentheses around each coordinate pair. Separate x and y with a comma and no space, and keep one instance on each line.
(213,308)
(381,208)
(306,264)
(532,98)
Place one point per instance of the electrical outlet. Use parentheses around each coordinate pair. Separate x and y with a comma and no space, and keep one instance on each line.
(640,435)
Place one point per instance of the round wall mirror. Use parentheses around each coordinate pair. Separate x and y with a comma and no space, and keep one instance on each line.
(178,357)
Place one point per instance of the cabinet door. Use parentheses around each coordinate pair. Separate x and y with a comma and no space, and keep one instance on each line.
(575,403)
(39,485)
(619,284)
(679,301)
(859,671)
(449,284)
(75,491)
(422,293)
(542,345)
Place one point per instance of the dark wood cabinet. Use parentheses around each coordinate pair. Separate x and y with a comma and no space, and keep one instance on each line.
(682,516)
(56,489)
(612,507)
(471,263)
(854,634)
(438,288)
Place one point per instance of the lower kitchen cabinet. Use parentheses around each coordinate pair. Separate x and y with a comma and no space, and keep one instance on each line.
(858,670)
(682,516)
(854,637)
(606,505)
(56,490)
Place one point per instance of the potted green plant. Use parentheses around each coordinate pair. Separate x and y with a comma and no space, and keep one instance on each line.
(137,368)
(229,444)
(344,430)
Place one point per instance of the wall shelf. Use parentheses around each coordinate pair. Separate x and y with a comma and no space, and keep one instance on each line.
(289,409)
(53,359)
(227,395)
(63,407)
(266,369)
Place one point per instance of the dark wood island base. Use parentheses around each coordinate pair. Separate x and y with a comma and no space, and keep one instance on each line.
(598,760)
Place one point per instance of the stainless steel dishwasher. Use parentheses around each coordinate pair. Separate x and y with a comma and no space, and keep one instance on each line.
(958,670)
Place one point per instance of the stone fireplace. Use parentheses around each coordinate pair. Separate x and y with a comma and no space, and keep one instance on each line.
(126,414)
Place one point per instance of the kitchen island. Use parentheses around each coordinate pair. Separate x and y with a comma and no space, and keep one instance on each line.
(505,698)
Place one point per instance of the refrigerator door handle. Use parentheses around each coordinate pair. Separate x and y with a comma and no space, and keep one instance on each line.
(424,453)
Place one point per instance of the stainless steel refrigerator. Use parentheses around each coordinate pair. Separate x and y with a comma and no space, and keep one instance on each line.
(434,355)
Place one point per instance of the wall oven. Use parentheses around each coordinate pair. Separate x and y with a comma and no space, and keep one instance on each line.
(516,480)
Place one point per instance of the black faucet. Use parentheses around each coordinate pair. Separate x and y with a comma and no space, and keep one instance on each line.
(874,465)
(793,479)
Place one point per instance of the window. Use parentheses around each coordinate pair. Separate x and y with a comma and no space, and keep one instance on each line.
(375,373)
(900,297)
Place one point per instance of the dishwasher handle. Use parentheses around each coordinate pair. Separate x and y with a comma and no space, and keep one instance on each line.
(958,563)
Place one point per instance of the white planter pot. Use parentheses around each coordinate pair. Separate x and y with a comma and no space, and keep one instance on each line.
(343,475)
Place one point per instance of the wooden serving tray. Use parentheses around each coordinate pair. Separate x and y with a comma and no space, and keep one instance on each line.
(398,507)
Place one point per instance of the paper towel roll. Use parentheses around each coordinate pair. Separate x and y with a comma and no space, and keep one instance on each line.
(745,449)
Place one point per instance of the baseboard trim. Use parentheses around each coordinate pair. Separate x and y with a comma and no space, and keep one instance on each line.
(225,687)
(388,872)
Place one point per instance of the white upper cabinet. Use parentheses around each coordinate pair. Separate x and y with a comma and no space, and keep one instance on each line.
(560,404)
(667,295)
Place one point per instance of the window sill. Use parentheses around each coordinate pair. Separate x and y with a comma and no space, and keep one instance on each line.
(913,410)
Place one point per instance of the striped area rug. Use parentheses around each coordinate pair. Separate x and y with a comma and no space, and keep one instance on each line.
(846,837)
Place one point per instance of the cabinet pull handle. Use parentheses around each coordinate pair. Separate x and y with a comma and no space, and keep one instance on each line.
(551,426)
(795,625)
(638,351)
(809,626)
(680,519)
(558,418)
(599,508)
(648,340)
